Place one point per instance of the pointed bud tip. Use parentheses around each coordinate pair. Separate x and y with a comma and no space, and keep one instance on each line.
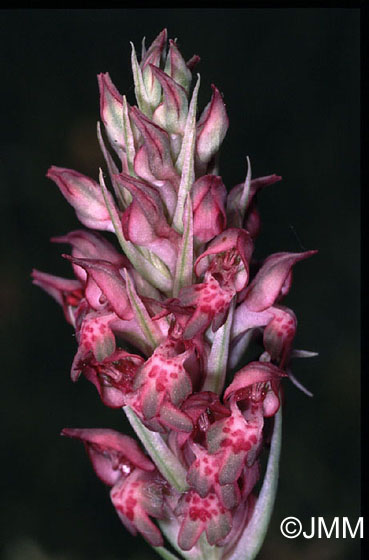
(102,75)
(69,432)
(52,172)
(216,91)
(162,37)
(58,239)
(193,61)
(309,253)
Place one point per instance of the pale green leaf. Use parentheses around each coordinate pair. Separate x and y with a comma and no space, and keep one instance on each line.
(164,553)
(140,89)
(166,462)
(252,539)
(185,162)
(113,170)
(218,357)
(147,325)
(184,265)
(160,279)
(128,139)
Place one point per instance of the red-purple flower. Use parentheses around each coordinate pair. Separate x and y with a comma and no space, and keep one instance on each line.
(136,489)
(202,515)
(208,202)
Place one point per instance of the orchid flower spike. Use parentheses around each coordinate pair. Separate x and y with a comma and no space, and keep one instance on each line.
(163,315)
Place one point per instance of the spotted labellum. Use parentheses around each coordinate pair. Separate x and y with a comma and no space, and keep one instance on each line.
(164,306)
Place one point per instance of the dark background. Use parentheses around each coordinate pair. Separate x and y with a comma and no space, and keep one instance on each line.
(290,78)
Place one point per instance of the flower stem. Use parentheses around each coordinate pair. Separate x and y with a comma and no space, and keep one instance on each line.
(166,463)
(252,539)
(164,553)
(218,359)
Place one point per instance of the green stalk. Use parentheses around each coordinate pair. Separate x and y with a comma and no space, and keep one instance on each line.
(186,160)
(184,265)
(142,265)
(165,461)
(147,325)
(164,553)
(252,539)
(218,358)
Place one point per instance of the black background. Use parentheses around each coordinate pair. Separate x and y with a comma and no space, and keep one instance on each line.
(290,79)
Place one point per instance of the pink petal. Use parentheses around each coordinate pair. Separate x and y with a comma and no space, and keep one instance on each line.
(176,66)
(174,418)
(202,514)
(268,282)
(56,286)
(92,245)
(232,239)
(85,195)
(111,110)
(156,144)
(193,61)
(153,57)
(254,372)
(155,49)
(113,377)
(172,112)
(129,496)
(208,195)
(110,282)
(189,533)
(211,302)
(110,451)
(96,336)
(279,333)
(211,128)
(144,222)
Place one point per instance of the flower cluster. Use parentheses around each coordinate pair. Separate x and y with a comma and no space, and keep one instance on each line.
(163,322)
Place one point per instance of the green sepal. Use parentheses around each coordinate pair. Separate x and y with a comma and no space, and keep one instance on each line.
(140,89)
(128,140)
(218,357)
(113,170)
(185,163)
(166,462)
(147,325)
(184,265)
(164,553)
(252,539)
(159,278)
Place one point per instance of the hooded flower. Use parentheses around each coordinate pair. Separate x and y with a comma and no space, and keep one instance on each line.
(84,194)
(163,383)
(224,267)
(67,292)
(202,515)
(208,202)
(136,490)
(113,377)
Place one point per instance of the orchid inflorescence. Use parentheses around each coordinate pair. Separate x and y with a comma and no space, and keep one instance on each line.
(163,323)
